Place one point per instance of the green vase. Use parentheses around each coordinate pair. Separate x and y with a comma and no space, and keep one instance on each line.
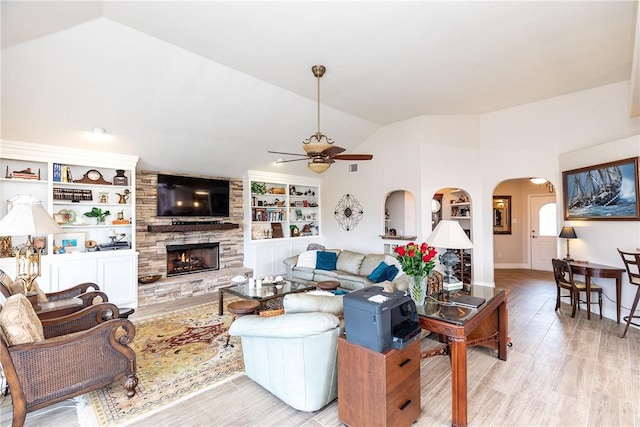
(418,290)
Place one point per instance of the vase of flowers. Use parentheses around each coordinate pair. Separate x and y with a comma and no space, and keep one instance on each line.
(417,262)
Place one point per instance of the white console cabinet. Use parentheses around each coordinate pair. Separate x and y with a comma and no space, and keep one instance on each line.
(71,182)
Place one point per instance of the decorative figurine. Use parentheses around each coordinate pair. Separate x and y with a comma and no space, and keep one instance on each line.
(120,179)
(124,197)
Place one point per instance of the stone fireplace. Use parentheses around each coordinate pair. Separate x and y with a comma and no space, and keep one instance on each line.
(154,235)
(192,258)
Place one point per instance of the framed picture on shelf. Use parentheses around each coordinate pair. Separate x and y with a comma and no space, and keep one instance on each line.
(276,230)
(69,242)
(299,216)
(608,191)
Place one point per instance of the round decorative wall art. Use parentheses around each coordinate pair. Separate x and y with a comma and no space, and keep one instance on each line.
(348,212)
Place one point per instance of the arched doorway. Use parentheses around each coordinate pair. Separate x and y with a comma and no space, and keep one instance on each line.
(516,250)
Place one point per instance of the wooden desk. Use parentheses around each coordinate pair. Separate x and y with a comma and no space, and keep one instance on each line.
(589,270)
(487,326)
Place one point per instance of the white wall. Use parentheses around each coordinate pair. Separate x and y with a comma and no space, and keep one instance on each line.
(476,153)
(597,240)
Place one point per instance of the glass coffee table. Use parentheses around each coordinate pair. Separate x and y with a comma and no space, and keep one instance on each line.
(267,292)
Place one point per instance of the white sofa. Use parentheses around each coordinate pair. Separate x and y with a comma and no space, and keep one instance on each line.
(352,269)
(294,356)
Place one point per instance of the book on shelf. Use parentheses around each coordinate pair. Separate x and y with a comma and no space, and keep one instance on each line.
(57,172)
(21,175)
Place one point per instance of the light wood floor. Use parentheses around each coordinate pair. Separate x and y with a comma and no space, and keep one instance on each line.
(560,372)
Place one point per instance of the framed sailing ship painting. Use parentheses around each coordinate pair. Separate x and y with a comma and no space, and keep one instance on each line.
(608,191)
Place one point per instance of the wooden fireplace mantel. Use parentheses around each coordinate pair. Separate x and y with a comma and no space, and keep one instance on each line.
(172,228)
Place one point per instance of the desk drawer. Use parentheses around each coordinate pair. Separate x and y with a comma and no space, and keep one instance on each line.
(403,366)
(403,406)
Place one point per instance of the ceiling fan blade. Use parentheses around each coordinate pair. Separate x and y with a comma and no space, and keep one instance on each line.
(288,154)
(332,151)
(292,160)
(353,157)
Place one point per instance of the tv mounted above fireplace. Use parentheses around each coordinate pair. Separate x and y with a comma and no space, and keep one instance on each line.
(192,197)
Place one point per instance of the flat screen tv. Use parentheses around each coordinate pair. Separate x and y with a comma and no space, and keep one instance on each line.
(190,196)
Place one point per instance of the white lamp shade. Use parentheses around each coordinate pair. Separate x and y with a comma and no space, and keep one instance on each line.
(25,219)
(449,235)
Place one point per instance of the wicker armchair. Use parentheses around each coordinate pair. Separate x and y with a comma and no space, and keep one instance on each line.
(71,360)
(88,292)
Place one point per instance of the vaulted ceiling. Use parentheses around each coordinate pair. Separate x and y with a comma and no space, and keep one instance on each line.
(208,87)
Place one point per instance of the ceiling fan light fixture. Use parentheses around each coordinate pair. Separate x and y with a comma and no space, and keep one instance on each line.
(318,167)
(316,147)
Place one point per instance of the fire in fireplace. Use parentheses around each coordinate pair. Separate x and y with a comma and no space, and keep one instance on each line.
(192,258)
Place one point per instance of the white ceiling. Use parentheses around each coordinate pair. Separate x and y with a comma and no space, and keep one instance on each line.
(189,86)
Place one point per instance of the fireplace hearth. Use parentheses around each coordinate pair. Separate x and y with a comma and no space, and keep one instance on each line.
(192,258)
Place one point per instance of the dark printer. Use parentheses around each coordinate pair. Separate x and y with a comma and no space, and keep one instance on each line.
(380,320)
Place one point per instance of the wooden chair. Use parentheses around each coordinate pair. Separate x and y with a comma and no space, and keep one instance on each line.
(632,263)
(70,360)
(88,292)
(564,280)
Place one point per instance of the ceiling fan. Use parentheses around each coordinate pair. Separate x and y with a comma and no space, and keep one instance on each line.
(320,152)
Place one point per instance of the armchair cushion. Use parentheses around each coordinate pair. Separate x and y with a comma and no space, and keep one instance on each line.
(307,303)
(349,262)
(19,285)
(286,326)
(326,260)
(379,274)
(307,259)
(19,321)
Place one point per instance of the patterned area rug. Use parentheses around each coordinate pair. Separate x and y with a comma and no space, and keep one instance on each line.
(178,354)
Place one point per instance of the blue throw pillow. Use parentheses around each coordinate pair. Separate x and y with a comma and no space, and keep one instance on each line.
(379,274)
(391,272)
(326,260)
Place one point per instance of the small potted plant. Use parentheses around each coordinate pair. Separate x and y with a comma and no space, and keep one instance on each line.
(98,214)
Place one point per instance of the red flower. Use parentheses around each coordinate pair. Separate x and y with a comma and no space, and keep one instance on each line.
(416,259)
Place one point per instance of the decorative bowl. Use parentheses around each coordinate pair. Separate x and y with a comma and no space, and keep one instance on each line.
(149,279)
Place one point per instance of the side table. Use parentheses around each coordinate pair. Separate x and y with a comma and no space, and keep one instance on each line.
(328,285)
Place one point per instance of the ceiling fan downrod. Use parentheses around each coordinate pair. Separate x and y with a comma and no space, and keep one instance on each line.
(318,72)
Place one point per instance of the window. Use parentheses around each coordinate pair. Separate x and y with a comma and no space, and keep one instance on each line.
(547,218)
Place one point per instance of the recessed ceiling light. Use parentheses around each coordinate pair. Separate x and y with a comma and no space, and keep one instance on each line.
(98,130)
(538,181)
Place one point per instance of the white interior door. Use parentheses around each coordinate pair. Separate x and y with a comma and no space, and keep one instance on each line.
(543,227)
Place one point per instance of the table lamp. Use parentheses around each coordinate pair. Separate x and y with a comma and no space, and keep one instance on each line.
(449,235)
(28,220)
(568,233)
